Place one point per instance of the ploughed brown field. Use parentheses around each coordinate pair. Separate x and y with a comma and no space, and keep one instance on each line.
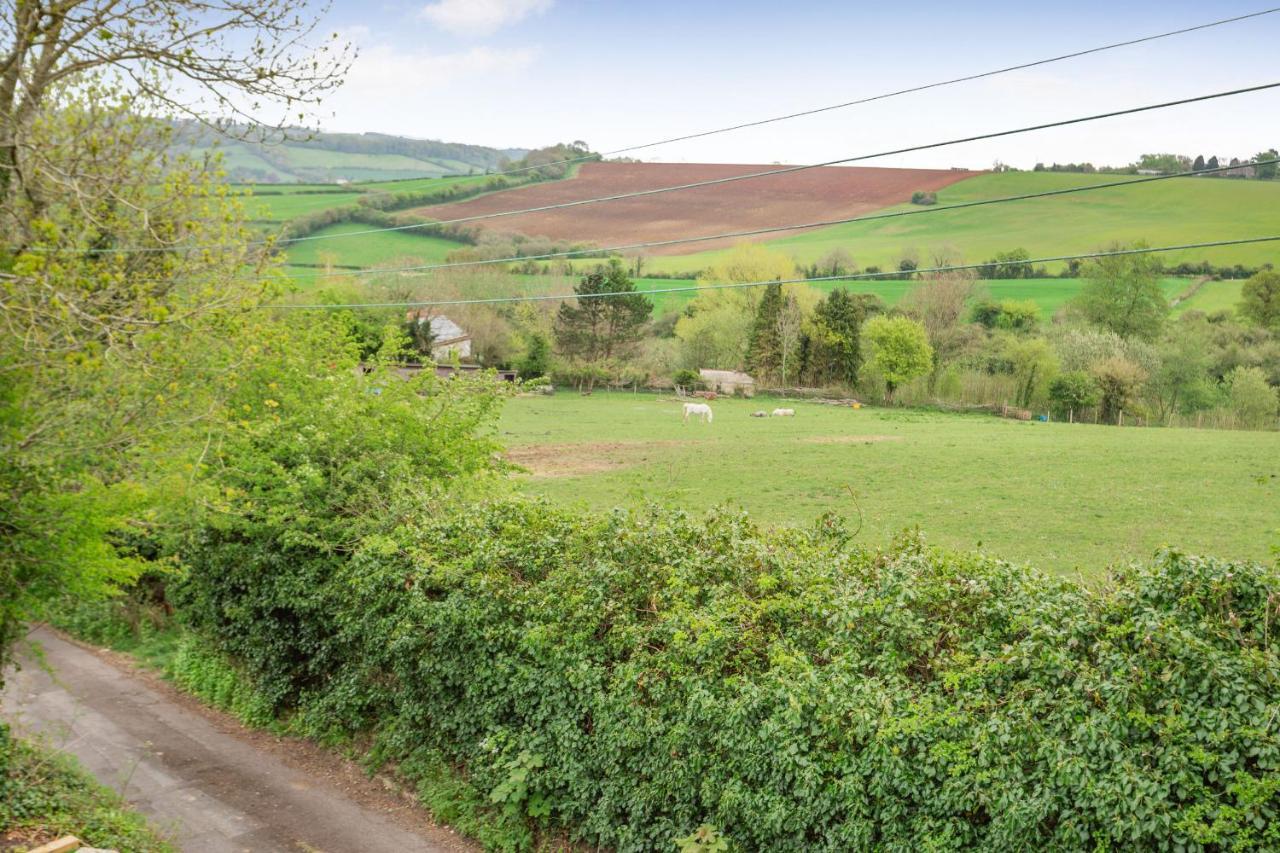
(831,192)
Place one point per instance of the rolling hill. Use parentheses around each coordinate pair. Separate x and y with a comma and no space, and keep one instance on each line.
(339,157)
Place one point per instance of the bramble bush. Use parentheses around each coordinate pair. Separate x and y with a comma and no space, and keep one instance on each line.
(636,677)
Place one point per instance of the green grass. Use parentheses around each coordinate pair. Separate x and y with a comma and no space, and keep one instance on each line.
(1213,296)
(1064,497)
(1178,211)
(371,250)
(283,207)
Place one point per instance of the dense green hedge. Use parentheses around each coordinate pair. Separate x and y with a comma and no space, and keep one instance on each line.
(633,676)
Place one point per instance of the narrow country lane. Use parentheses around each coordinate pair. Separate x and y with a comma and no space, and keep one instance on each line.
(199,775)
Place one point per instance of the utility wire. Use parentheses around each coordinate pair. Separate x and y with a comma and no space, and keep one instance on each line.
(894,94)
(546,297)
(787,170)
(712,182)
(774,229)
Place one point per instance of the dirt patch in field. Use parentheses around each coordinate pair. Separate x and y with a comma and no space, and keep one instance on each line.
(576,460)
(832,192)
(850,439)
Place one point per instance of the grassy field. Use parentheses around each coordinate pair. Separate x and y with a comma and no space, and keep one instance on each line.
(1068,498)
(371,250)
(1191,210)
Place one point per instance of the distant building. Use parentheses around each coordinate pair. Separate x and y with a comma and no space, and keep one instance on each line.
(448,338)
(728,382)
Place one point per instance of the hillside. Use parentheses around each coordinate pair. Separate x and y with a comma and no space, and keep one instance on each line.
(332,157)
(1176,211)
(795,197)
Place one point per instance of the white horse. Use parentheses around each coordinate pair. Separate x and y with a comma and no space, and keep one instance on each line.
(702,410)
(784,413)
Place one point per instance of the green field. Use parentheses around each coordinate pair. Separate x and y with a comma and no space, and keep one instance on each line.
(390,248)
(1065,497)
(282,202)
(1177,211)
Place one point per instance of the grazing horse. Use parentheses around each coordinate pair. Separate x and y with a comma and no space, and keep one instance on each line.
(702,410)
(784,413)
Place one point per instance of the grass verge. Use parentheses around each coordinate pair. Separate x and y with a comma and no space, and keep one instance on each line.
(45,794)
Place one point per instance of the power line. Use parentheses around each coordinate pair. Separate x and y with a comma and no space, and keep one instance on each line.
(734,285)
(755,232)
(899,92)
(792,169)
(715,181)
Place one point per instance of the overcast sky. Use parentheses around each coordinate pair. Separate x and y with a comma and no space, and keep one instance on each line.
(527,73)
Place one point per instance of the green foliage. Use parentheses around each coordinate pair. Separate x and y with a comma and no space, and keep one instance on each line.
(1118,380)
(834,351)
(99,379)
(1260,299)
(900,349)
(630,676)
(1252,398)
(537,357)
(1073,392)
(1033,365)
(704,839)
(207,675)
(1124,296)
(323,461)
(687,379)
(764,346)
(599,327)
(45,790)
(1010,264)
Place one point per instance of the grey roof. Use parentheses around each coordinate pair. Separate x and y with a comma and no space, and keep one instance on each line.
(443,329)
(734,376)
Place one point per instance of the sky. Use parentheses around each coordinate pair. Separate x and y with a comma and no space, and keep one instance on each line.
(528,73)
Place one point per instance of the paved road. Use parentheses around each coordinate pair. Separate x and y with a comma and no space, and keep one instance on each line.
(199,775)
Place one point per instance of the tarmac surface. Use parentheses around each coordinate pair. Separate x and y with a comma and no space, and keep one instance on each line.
(204,779)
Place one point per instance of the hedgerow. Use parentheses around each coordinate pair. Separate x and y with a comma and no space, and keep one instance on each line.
(632,677)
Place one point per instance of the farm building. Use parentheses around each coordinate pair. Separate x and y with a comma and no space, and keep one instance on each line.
(728,382)
(448,337)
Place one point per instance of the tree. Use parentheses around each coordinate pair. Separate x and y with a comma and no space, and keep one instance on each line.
(900,350)
(765,347)
(939,305)
(1033,364)
(186,57)
(1260,299)
(714,329)
(1118,380)
(1266,171)
(1198,165)
(1010,265)
(749,262)
(1073,392)
(834,263)
(421,336)
(1183,368)
(598,327)
(1252,399)
(1124,295)
(835,336)
(537,357)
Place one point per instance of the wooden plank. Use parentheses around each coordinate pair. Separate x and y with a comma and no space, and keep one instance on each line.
(63,845)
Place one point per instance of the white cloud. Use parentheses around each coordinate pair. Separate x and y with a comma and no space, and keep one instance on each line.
(385,72)
(420,93)
(481,17)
